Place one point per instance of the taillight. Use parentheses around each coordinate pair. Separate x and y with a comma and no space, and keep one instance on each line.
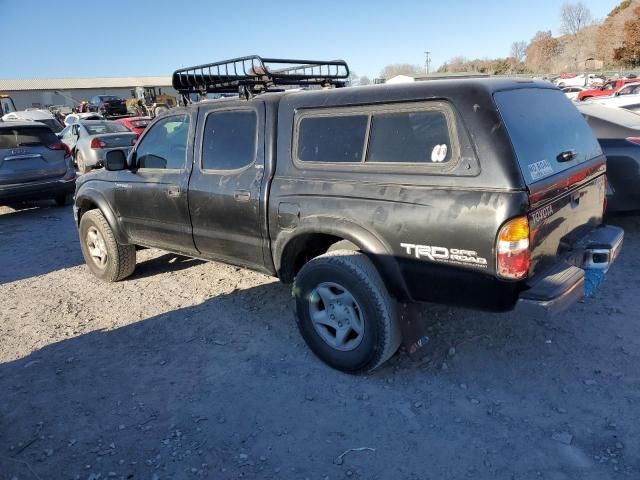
(635,140)
(512,246)
(60,146)
(97,143)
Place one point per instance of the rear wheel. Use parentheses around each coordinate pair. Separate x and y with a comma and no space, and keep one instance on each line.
(345,313)
(106,258)
(82,166)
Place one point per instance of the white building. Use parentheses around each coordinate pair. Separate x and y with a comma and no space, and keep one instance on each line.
(40,93)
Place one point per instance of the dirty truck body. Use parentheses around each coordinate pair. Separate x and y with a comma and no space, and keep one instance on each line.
(335,170)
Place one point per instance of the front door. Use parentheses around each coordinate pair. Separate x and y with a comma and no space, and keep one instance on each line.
(226,183)
(152,199)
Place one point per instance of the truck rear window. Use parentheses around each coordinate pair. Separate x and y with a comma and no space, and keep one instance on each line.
(26,137)
(543,124)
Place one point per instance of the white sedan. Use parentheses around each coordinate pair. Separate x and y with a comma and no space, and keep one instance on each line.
(76,117)
(572,92)
(628,102)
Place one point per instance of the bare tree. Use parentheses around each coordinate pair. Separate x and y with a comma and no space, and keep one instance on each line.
(519,51)
(391,71)
(574,17)
(364,80)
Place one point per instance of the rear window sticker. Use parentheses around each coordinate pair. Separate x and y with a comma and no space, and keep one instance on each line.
(439,153)
(540,169)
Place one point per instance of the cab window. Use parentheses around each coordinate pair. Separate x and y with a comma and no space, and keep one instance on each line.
(229,140)
(165,145)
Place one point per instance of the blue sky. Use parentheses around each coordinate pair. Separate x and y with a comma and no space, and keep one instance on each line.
(71,38)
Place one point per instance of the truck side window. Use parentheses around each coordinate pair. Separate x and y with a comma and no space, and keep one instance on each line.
(409,137)
(229,140)
(338,138)
(165,145)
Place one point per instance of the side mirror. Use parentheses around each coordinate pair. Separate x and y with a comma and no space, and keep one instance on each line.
(116,160)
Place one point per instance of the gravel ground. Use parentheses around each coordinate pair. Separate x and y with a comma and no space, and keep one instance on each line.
(196,370)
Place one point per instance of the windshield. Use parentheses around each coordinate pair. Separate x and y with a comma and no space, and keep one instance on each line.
(104,127)
(109,98)
(543,125)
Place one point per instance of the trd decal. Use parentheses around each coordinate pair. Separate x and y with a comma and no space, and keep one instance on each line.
(444,255)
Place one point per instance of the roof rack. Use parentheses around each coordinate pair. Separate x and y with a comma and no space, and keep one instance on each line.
(249,76)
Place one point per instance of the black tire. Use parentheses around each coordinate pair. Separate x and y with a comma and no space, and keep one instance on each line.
(64,200)
(82,166)
(120,259)
(355,273)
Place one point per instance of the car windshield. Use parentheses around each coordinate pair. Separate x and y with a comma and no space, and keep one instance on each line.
(109,98)
(139,123)
(26,136)
(104,127)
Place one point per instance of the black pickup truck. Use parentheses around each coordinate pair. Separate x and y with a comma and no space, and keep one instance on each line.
(478,192)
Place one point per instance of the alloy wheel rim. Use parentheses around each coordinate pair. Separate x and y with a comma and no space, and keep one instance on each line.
(97,247)
(336,316)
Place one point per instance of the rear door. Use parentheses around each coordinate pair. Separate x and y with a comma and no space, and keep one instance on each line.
(151,201)
(26,156)
(562,165)
(224,192)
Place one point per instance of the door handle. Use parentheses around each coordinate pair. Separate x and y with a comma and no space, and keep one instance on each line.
(173,191)
(242,195)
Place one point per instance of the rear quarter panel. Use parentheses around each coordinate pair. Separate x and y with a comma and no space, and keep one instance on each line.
(394,215)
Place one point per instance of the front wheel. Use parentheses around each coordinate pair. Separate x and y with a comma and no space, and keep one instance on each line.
(345,313)
(106,258)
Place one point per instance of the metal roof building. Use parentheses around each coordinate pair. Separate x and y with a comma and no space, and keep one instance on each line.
(42,92)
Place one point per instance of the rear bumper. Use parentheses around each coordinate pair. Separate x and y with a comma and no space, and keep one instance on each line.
(575,276)
(36,190)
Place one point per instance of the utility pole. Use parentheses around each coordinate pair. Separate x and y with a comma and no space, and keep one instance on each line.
(427,62)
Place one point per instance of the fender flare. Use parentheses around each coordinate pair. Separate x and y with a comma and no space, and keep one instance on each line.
(368,243)
(95,197)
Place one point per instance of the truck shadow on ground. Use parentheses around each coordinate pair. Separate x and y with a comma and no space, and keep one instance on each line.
(198,388)
(169,262)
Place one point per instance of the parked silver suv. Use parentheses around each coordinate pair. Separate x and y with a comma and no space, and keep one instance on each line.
(34,164)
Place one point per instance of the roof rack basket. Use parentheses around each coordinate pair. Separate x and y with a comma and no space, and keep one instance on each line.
(252,75)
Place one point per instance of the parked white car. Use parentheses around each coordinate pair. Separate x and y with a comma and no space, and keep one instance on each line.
(572,92)
(628,102)
(628,89)
(581,80)
(35,115)
(76,117)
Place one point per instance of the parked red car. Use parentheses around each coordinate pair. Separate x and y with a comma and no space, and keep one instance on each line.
(135,124)
(609,88)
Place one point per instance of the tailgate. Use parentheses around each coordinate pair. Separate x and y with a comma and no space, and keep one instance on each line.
(562,165)
(564,210)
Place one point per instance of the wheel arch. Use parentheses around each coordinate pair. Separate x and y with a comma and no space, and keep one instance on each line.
(318,235)
(91,199)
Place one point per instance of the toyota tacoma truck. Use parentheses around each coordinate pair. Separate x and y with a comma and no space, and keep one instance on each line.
(486,193)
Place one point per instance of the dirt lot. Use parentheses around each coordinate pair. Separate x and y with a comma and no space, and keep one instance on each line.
(196,370)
